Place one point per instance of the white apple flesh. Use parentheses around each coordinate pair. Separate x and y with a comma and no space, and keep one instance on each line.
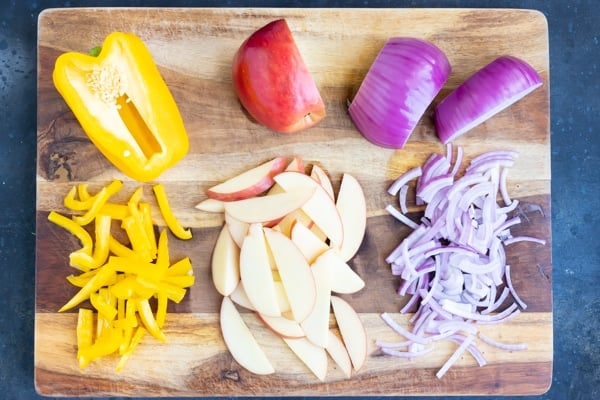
(241,343)
(225,263)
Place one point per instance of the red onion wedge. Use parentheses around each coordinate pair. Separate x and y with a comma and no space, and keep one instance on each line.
(401,83)
(490,90)
(453,263)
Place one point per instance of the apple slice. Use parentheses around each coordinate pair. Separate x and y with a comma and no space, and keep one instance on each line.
(268,208)
(255,272)
(320,207)
(320,176)
(286,224)
(239,297)
(297,165)
(249,183)
(314,357)
(225,263)
(273,82)
(237,229)
(352,331)
(282,300)
(296,276)
(352,208)
(316,325)
(309,244)
(343,278)
(241,343)
(338,353)
(211,205)
(282,327)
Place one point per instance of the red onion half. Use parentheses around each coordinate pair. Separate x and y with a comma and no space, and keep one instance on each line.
(490,90)
(401,83)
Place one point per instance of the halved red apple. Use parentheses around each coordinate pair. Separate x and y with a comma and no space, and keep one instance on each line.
(273,82)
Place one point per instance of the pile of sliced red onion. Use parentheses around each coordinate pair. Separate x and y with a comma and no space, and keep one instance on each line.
(453,263)
(408,74)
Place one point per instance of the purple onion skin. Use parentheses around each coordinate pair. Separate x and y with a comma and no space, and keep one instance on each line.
(488,91)
(401,83)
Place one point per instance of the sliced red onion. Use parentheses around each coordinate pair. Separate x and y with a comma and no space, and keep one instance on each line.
(401,83)
(490,90)
(453,263)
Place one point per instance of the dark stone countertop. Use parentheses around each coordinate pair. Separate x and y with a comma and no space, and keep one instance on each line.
(575,109)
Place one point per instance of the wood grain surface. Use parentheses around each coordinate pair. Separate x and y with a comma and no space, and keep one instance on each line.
(193,49)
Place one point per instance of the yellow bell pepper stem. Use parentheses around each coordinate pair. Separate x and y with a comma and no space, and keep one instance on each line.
(167,213)
(124,106)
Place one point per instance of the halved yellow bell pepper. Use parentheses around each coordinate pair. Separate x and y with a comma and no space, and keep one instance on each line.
(124,106)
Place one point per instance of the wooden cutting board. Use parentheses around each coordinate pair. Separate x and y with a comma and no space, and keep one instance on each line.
(193,49)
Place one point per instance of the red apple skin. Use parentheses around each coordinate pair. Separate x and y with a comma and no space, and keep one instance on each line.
(273,82)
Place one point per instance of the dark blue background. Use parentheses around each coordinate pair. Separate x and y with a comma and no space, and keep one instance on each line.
(575,90)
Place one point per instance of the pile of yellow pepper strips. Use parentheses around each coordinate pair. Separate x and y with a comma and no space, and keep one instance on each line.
(120,280)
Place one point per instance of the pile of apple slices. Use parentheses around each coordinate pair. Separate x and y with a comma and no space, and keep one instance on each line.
(283,253)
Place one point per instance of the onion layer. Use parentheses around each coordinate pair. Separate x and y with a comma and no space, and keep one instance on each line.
(401,83)
(490,90)
(453,263)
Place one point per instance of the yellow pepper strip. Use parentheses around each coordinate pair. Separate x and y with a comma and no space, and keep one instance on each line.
(102,233)
(124,106)
(134,266)
(183,281)
(104,275)
(173,292)
(82,279)
(181,267)
(77,205)
(105,344)
(148,224)
(116,211)
(167,213)
(161,308)
(137,237)
(75,229)
(126,354)
(162,257)
(145,312)
(130,287)
(82,192)
(85,328)
(99,201)
(120,250)
(98,300)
